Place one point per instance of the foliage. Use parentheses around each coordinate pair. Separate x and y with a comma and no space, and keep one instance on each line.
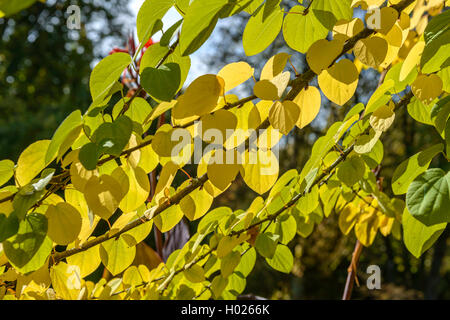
(96,165)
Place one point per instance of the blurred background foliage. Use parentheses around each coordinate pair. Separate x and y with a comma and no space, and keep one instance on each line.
(44,75)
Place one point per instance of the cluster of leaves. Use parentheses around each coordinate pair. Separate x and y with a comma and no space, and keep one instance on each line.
(101,160)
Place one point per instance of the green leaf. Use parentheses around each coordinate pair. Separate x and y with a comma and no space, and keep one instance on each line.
(394,74)
(437,38)
(247,262)
(25,199)
(89,155)
(301,31)
(162,83)
(351,170)
(199,22)
(282,260)
(28,250)
(266,244)
(420,112)
(412,167)
(9,225)
(229,263)
(417,236)
(6,171)
(111,138)
(167,36)
(106,74)
(71,123)
(261,30)
(428,197)
(148,16)
(156,53)
(440,114)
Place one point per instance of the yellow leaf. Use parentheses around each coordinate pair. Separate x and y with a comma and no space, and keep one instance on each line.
(138,190)
(427,88)
(260,170)
(149,159)
(347,218)
(284,115)
(412,60)
(386,225)
(103,195)
(223,167)
(382,118)
(371,51)
(309,101)
(116,255)
(367,4)
(274,66)
(169,218)
(269,138)
(31,161)
(339,82)
(200,97)
(345,29)
(66,281)
(366,227)
(166,177)
(80,176)
(216,125)
(195,274)
(235,74)
(387,17)
(88,261)
(322,53)
(272,89)
(89,222)
(64,223)
(196,204)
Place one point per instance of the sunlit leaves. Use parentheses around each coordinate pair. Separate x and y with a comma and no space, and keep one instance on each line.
(31,161)
(64,223)
(339,82)
(199,22)
(284,115)
(300,31)
(371,51)
(260,170)
(272,89)
(200,97)
(427,88)
(351,170)
(235,73)
(117,255)
(262,28)
(282,259)
(149,16)
(309,101)
(382,118)
(437,35)
(68,130)
(274,66)
(6,171)
(106,73)
(322,54)
(417,236)
(66,280)
(103,195)
(409,169)
(412,60)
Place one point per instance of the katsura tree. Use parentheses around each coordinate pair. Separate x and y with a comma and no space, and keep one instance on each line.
(119,165)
